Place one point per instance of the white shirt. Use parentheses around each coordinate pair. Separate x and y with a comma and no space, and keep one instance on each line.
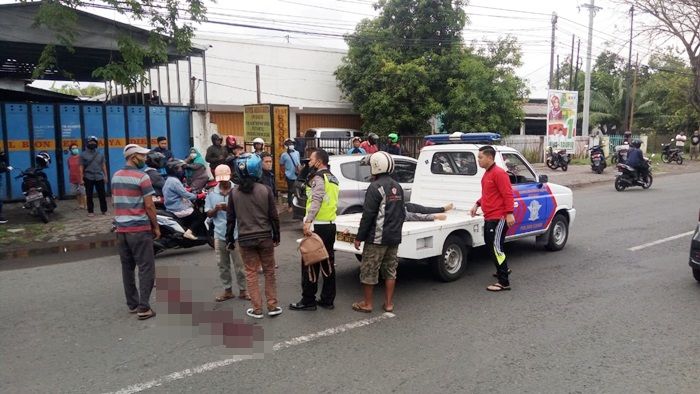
(680,140)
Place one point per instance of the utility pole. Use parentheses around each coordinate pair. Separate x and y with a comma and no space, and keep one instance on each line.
(551,55)
(571,63)
(557,76)
(634,92)
(257,81)
(578,62)
(587,90)
(625,121)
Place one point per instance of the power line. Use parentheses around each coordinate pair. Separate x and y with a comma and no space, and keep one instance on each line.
(275,94)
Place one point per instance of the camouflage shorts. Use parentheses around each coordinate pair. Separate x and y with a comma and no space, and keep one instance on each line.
(376,258)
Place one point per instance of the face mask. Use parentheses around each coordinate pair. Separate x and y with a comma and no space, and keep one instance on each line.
(290,147)
(140,164)
(193,155)
(92,146)
(75,151)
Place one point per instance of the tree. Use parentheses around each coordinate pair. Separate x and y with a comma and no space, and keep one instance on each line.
(608,110)
(679,19)
(410,63)
(165,18)
(73,90)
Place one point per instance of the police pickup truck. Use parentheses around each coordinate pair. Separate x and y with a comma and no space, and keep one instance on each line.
(447,172)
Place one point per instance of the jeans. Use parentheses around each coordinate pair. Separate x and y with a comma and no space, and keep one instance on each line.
(224,257)
(136,250)
(100,186)
(309,288)
(290,192)
(495,236)
(255,254)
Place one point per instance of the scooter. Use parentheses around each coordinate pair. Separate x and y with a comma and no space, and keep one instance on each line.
(669,154)
(629,177)
(598,162)
(172,231)
(557,159)
(38,198)
(620,155)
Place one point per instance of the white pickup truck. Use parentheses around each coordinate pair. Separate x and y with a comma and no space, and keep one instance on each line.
(447,172)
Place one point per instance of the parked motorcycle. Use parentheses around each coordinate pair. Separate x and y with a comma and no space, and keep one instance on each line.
(598,162)
(670,154)
(557,159)
(629,177)
(172,231)
(38,197)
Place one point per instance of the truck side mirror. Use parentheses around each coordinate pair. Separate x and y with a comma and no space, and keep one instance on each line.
(543,179)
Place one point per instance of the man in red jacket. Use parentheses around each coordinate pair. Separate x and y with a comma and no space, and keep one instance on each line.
(497,204)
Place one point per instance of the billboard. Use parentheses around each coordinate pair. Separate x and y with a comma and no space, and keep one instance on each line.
(257,122)
(562,106)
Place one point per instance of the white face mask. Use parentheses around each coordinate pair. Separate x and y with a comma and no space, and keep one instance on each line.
(290,146)
(193,155)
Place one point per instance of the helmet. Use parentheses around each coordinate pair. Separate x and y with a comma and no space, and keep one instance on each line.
(259,141)
(353,139)
(231,141)
(91,138)
(288,141)
(636,144)
(381,163)
(372,138)
(155,159)
(393,137)
(174,167)
(215,137)
(42,159)
(249,165)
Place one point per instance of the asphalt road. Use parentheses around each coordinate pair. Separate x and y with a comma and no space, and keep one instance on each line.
(594,317)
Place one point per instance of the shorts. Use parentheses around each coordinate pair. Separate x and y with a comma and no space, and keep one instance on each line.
(377,258)
(77,188)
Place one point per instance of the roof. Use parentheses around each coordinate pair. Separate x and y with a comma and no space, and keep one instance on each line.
(462,147)
(95,44)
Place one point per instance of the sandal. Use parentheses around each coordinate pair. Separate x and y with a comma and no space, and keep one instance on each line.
(226,295)
(497,287)
(145,315)
(244,296)
(359,307)
(390,310)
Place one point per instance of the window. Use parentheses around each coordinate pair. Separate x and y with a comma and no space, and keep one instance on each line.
(335,134)
(456,163)
(518,171)
(356,172)
(404,171)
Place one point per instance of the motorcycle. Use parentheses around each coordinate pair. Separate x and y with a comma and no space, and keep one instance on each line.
(172,230)
(620,155)
(669,154)
(557,159)
(629,177)
(38,197)
(598,162)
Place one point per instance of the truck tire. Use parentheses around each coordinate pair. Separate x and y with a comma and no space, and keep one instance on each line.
(453,262)
(696,274)
(558,233)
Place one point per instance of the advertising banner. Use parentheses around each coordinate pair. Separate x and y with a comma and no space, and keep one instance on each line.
(562,114)
(257,123)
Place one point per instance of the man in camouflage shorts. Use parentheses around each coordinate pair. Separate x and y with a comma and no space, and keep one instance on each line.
(376,258)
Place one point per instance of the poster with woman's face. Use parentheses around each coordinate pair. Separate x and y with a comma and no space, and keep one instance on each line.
(561,119)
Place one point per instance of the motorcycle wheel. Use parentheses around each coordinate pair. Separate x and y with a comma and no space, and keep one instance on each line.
(619,184)
(647,185)
(564,167)
(43,215)
(613,160)
(551,164)
(599,170)
(665,158)
(679,160)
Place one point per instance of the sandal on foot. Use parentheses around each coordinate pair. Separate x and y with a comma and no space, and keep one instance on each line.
(359,307)
(226,295)
(497,287)
(390,310)
(145,315)
(244,296)
(510,271)
(254,314)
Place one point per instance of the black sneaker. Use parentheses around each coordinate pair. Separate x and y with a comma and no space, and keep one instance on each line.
(325,305)
(3,220)
(300,306)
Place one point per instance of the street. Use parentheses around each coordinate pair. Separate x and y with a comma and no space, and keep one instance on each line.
(595,317)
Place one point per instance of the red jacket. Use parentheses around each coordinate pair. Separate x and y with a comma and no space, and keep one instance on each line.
(496,194)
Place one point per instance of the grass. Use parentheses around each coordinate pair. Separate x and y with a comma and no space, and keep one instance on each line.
(30,233)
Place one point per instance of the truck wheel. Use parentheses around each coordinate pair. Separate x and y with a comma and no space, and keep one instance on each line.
(558,233)
(696,274)
(451,264)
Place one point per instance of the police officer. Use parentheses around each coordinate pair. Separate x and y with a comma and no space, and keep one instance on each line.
(321,205)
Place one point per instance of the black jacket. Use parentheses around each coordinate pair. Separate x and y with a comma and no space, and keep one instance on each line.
(383,213)
(268,179)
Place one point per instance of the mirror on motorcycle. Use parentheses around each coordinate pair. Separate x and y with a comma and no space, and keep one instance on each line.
(543,179)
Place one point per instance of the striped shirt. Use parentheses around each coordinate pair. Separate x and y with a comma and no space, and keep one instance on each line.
(129,187)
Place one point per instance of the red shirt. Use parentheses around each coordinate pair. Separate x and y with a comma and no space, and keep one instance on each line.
(496,194)
(74,169)
(369,149)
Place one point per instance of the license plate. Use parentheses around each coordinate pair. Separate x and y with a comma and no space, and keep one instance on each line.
(34,197)
(345,237)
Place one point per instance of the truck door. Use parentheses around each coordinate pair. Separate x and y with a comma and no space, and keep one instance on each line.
(533,202)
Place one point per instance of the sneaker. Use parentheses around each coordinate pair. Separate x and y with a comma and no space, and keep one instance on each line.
(3,220)
(190,235)
(255,314)
(276,311)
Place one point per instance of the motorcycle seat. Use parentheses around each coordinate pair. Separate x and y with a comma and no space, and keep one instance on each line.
(163,212)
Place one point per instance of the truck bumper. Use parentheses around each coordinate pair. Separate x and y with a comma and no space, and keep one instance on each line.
(347,247)
(572,215)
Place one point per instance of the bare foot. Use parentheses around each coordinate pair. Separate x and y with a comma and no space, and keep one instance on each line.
(440,216)
(449,207)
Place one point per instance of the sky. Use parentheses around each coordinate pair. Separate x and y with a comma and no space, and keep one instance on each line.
(321,23)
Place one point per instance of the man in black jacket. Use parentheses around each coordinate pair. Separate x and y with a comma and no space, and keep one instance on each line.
(380,229)
(268,176)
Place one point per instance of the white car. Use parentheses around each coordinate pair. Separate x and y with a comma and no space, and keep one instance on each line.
(354,179)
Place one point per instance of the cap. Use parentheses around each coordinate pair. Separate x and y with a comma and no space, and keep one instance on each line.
(222,172)
(133,149)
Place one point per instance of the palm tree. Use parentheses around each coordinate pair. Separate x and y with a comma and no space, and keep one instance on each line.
(608,112)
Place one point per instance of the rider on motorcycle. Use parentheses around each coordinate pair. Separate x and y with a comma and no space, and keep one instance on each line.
(155,161)
(635,159)
(178,201)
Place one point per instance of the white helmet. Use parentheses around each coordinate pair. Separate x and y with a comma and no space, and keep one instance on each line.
(381,163)
(259,141)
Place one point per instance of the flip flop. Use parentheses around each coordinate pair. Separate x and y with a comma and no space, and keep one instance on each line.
(244,297)
(390,310)
(497,287)
(145,315)
(357,306)
(224,297)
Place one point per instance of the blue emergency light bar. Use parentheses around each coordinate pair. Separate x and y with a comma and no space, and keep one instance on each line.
(462,138)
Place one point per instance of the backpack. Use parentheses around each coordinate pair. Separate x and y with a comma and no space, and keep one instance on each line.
(313,251)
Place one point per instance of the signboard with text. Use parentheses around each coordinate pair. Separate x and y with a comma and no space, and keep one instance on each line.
(562,107)
(257,123)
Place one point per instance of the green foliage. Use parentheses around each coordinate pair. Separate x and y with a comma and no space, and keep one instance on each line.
(410,63)
(171,24)
(74,90)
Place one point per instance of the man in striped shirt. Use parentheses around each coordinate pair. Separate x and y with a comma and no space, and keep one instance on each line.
(137,226)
